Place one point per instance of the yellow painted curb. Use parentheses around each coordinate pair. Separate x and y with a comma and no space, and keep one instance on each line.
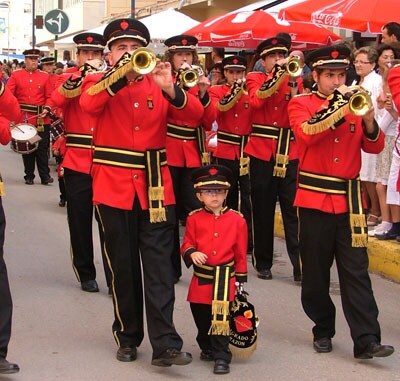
(384,256)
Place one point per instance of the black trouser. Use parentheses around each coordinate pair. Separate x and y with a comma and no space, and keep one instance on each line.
(218,344)
(186,201)
(61,183)
(80,216)
(41,156)
(5,295)
(131,241)
(240,187)
(265,191)
(323,238)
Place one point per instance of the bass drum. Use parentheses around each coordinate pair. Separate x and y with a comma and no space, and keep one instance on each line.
(24,138)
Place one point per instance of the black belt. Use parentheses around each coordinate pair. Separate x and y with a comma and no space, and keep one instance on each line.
(79,141)
(206,273)
(351,188)
(124,158)
(190,133)
(284,137)
(181,132)
(269,132)
(31,108)
(236,140)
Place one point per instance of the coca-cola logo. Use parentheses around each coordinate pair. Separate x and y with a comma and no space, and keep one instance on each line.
(327,18)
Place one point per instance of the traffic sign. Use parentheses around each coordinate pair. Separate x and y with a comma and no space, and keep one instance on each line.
(56,21)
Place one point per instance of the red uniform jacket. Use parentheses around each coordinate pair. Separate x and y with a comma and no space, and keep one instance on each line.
(31,88)
(223,238)
(236,120)
(9,110)
(76,123)
(333,152)
(270,111)
(185,152)
(134,119)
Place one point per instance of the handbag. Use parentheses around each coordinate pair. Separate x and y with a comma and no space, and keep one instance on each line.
(243,325)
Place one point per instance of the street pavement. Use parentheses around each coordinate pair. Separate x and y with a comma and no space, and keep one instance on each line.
(63,333)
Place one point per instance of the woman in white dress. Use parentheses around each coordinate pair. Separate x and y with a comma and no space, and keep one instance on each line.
(365,60)
(388,123)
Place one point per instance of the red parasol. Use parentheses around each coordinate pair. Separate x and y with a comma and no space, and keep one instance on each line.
(355,15)
(245,30)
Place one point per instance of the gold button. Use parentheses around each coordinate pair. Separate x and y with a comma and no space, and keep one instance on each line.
(337,140)
(136,105)
(336,160)
(236,128)
(215,234)
(137,128)
(214,252)
(236,115)
(184,140)
(275,123)
(276,108)
(135,177)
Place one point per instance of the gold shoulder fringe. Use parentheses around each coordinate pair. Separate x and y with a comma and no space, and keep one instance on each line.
(323,125)
(70,93)
(121,68)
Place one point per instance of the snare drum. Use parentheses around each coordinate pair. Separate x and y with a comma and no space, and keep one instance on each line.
(24,138)
(56,128)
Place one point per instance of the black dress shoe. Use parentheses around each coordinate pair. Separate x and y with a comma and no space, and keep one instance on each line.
(221,367)
(172,356)
(264,274)
(90,286)
(29,181)
(8,367)
(375,349)
(206,355)
(47,181)
(126,354)
(323,345)
(62,203)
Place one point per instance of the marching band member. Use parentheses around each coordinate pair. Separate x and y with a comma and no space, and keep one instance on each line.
(77,160)
(185,137)
(273,155)
(215,243)
(332,220)
(32,88)
(47,64)
(231,105)
(132,188)
(9,110)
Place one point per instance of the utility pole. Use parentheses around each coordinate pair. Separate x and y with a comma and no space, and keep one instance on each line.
(132,9)
(33,25)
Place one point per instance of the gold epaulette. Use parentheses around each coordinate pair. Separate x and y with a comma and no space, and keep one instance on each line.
(270,86)
(71,88)
(195,211)
(237,212)
(397,65)
(302,95)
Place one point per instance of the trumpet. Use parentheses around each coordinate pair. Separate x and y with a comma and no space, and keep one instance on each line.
(294,66)
(190,77)
(360,100)
(143,61)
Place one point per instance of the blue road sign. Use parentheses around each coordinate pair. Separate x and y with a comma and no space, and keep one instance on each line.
(56,21)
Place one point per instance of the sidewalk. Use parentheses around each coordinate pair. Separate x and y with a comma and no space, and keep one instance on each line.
(384,256)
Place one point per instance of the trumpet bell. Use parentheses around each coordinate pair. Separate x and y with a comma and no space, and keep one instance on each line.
(190,77)
(294,67)
(143,61)
(360,102)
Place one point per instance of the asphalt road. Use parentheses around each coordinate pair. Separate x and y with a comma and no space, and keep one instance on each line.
(62,333)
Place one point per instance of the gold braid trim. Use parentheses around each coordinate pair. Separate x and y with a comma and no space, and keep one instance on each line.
(120,69)
(71,88)
(325,119)
(229,100)
(2,87)
(244,163)
(270,86)
(219,327)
